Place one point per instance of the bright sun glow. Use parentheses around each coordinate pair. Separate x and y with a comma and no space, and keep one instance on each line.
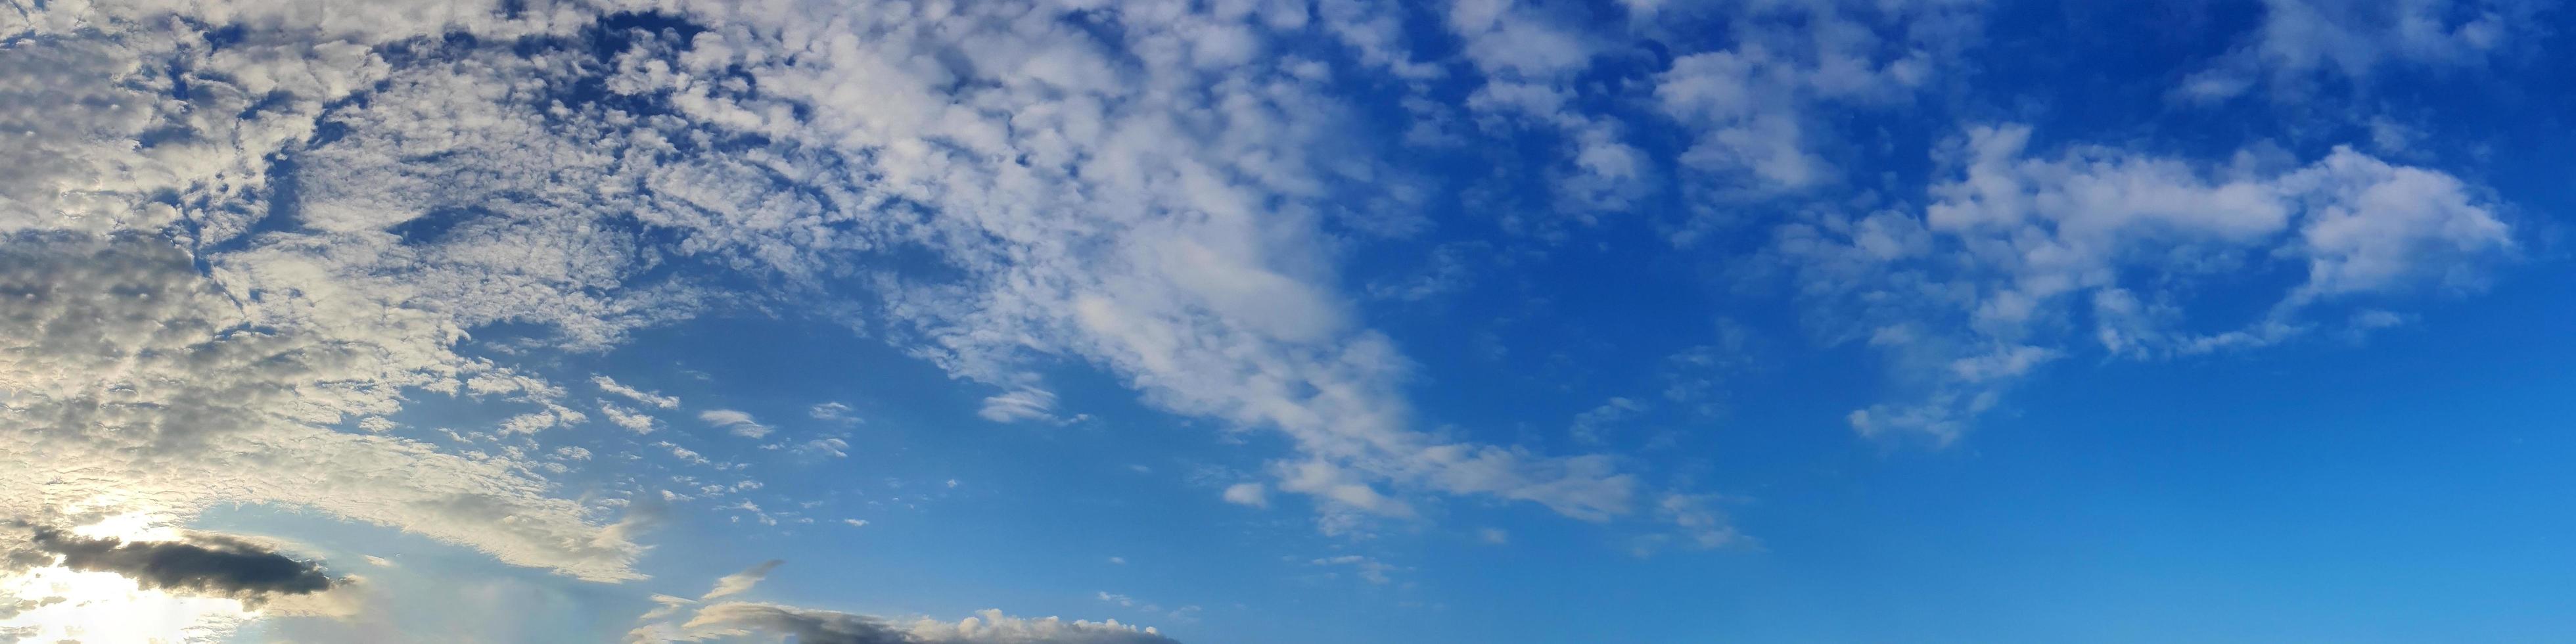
(106,607)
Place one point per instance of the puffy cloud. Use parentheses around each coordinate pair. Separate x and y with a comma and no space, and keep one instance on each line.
(1975,292)
(630,419)
(1251,494)
(2375,227)
(1742,105)
(1752,101)
(2353,39)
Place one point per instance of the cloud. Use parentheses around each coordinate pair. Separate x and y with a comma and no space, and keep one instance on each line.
(1018,405)
(648,398)
(1251,494)
(1448,272)
(735,422)
(2375,227)
(630,419)
(140,384)
(203,563)
(723,620)
(2353,40)
(1370,570)
(665,606)
(734,619)
(1589,425)
(736,583)
(827,446)
(1975,292)
(1697,521)
(833,412)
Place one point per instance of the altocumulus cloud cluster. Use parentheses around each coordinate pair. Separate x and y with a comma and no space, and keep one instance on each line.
(241,235)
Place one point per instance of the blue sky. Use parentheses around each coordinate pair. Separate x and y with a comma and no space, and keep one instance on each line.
(1275,322)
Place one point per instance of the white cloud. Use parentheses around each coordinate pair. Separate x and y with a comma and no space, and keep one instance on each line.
(1018,405)
(1697,521)
(726,620)
(735,619)
(735,422)
(1369,569)
(648,398)
(833,412)
(684,454)
(1448,272)
(2354,39)
(1743,105)
(738,583)
(1589,425)
(630,419)
(828,446)
(2019,246)
(1251,494)
(2374,227)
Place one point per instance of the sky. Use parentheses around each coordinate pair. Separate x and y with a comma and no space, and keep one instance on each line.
(1286,321)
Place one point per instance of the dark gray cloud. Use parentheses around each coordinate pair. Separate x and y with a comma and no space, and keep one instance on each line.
(814,626)
(807,626)
(202,564)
